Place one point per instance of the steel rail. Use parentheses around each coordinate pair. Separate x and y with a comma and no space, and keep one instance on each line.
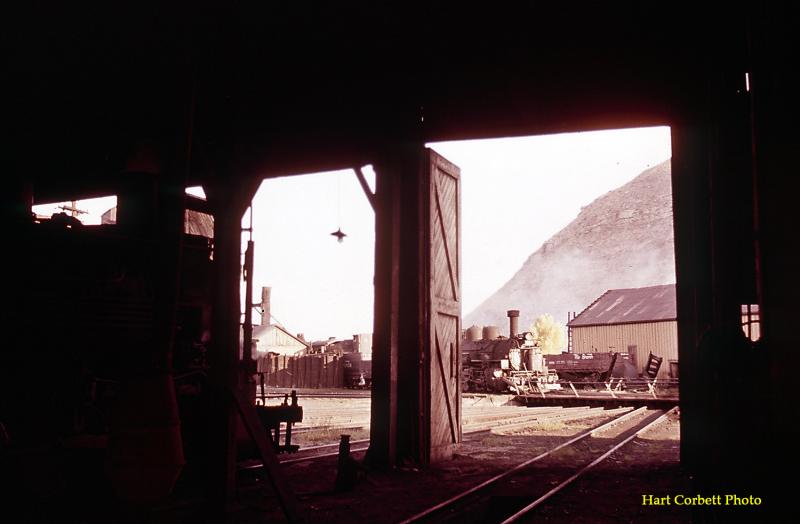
(527,509)
(314,457)
(597,412)
(489,482)
(471,431)
(514,421)
(312,429)
(322,446)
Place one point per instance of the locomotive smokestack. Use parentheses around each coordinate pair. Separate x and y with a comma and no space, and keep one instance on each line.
(265,306)
(513,322)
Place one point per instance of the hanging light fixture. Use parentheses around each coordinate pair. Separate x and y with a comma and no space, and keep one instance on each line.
(338,233)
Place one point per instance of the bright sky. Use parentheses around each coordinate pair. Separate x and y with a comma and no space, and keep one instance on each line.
(93,207)
(516,193)
(320,287)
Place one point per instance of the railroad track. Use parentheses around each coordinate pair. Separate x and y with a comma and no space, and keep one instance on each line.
(335,427)
(514,494)
(366,394)
(473,422)
(505,426)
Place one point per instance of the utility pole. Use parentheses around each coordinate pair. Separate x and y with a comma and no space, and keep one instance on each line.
(73,209)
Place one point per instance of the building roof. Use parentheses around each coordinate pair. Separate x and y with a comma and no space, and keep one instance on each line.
(195,223)
(626,306)
(260,334)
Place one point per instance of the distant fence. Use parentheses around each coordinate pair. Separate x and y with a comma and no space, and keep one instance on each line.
(309,371)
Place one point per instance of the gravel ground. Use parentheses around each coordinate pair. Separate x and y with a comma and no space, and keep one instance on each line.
(612,492)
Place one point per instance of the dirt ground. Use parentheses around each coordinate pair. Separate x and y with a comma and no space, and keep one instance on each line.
(386,497)
(611,492)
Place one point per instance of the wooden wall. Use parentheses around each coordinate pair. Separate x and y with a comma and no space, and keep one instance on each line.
(308,371)
(659,338)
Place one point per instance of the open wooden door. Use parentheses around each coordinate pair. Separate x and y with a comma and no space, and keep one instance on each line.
(416,368)
(441,373)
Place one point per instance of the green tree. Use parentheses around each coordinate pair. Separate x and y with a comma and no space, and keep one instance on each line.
(548,334)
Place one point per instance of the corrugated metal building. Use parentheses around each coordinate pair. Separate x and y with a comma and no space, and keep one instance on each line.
(639,321)
(274,339)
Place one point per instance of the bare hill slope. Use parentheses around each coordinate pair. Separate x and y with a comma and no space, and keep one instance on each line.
(623,239)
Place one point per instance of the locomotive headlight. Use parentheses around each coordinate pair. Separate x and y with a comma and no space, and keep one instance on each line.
(497,373)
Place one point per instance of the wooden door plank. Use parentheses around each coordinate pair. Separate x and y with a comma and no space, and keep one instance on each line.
(454,284)
(443,301)
(446,386)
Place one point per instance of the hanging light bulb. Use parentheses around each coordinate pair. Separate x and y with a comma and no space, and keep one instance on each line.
(339,235)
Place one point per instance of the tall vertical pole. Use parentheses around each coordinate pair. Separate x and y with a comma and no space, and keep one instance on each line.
(223,356)
(248,364)
(383,427)
(247,349)
(228,203)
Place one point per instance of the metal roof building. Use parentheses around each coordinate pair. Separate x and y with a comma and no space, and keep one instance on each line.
(639,321)
(275,339)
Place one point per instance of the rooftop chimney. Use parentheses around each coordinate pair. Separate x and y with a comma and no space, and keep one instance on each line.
(265,306)
(513,322)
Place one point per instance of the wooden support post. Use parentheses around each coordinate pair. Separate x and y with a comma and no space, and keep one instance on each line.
(573,389)
(367,191)
(248,367)
(169,247)
(229,203)
(417,309)
(775,104)
(692,268)
(383,426)
(651,386)
(223,359)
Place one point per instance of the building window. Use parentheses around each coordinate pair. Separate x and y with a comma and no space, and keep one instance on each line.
(751,321)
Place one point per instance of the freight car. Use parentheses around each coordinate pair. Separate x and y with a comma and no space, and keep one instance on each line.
(591,368)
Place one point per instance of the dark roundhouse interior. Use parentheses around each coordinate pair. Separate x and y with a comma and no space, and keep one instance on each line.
(142,101)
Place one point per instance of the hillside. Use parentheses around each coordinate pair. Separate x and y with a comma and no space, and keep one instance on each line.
(623,239)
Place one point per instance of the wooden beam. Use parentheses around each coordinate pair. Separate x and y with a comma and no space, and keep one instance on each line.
(383,425)
(692,268)
(223,359)
(367,191)
(229,203)
(198,204)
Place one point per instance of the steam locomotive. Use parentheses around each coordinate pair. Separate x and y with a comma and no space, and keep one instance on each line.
(498,364)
